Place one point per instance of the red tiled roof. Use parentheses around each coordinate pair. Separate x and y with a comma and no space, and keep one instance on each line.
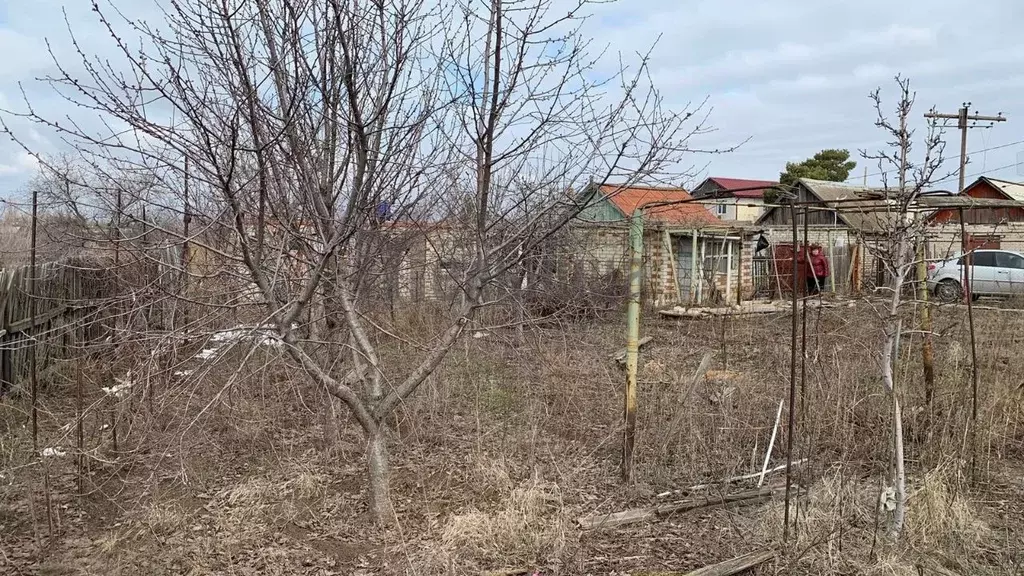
(627,200)
(729,183)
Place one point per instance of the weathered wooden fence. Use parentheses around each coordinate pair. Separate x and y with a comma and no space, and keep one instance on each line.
(65,298)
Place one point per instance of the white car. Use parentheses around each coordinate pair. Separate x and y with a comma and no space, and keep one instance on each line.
(992,273)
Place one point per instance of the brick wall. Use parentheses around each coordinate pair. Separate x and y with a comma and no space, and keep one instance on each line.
(945,240)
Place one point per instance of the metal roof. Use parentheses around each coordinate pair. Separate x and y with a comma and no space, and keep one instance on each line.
(855,202)
(1011,190)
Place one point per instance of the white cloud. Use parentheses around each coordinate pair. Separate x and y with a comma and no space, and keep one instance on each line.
(21,164)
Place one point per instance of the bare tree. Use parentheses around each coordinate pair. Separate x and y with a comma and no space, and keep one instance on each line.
(904,229)
(302,131)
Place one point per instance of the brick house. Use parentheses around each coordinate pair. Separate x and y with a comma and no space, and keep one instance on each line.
(690,255)
(735,199)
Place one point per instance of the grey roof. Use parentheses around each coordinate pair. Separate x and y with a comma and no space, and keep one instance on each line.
(1012,190)
(842,196)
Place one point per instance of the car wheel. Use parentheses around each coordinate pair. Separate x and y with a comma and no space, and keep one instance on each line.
(948,291)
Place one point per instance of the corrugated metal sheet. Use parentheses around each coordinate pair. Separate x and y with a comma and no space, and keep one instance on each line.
(863,217)
(1012,190)
(839,195)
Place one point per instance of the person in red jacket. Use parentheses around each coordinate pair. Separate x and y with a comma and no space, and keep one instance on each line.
(817,270)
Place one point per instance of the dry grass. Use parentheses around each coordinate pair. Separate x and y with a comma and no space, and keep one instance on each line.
(841,529)
(500,451)
(527,529)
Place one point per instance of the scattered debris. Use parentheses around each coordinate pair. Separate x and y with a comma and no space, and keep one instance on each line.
(702,503)
(259,337)
(478,334)
(122,386)
(183,373)
(752,307)
(620,356)
(55,451)
(207,353)
(745,308)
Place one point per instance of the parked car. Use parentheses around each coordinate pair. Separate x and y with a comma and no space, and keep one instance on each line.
(992,273)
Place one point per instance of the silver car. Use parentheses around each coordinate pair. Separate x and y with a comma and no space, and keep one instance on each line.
(992,273)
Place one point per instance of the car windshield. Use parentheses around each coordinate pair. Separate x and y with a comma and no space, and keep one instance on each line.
(992,260)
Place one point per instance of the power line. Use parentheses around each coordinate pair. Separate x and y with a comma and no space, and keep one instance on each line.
(982,173)
(1001,146)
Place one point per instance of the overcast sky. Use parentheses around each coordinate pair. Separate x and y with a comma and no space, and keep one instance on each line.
(792,76)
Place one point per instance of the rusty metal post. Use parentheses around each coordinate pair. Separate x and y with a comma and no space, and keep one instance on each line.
(792,382)
(927,353)
(32,324)
(968,271)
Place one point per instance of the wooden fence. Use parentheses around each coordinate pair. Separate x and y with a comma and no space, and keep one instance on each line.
(65,297)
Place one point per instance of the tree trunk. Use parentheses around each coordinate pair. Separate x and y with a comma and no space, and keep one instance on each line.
(381,509)
(900,480)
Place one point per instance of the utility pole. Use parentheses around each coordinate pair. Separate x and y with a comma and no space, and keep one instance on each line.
(964,119)
(963,122)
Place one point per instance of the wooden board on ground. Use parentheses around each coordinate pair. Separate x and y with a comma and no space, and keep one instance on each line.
(636,515)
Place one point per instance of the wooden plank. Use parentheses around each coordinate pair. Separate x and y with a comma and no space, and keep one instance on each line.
(735,565)
(636,515)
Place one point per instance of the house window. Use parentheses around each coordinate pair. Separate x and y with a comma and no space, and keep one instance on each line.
(716,255)
(721,209)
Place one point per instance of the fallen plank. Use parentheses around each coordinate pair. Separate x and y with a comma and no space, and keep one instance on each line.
(620,356)
(735,565)
(636,515)
(727,568)
(732,480)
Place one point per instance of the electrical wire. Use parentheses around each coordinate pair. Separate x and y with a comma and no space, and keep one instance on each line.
(989,149)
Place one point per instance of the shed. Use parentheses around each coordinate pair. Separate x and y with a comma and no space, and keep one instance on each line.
(832,204)
(841,218)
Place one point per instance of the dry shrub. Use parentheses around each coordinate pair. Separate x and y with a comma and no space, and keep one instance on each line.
(836,527)
(836,519)
(528,528)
